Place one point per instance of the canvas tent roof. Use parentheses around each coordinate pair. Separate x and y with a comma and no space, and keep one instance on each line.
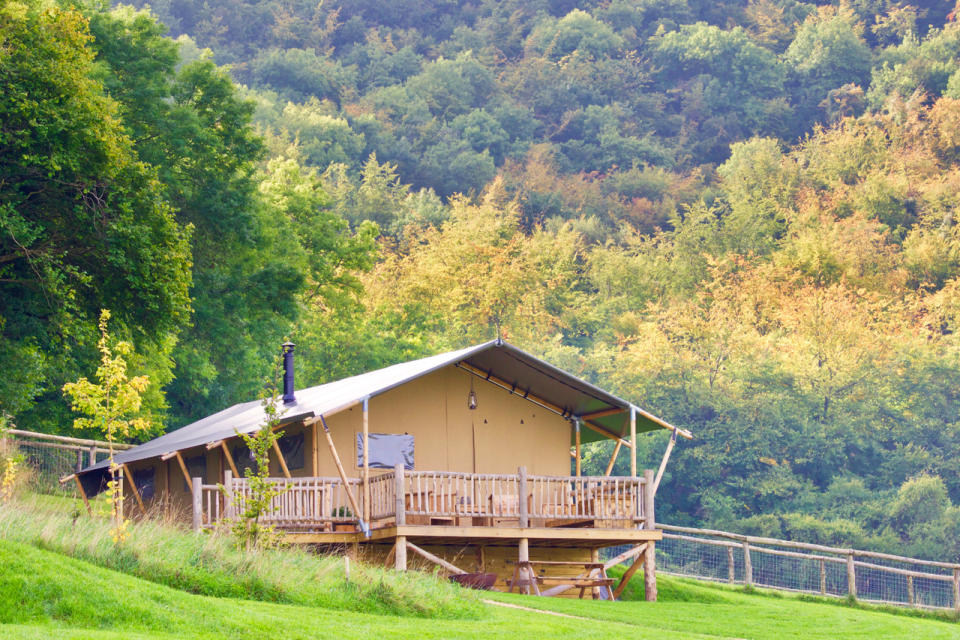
(527,373)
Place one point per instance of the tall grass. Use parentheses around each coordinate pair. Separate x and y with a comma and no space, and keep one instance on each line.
(210,564)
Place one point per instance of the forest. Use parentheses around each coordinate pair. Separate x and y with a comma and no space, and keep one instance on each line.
(740,215)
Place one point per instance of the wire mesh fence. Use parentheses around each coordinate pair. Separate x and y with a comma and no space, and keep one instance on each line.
(52,457)
(814,569)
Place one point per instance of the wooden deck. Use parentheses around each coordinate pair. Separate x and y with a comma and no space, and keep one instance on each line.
(579,537)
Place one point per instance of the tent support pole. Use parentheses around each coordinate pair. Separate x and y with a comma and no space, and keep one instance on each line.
(283,462)
(229,457)
(366,459)
(83,494)
(663,463)
(633,441)
(343,477)
(613,458)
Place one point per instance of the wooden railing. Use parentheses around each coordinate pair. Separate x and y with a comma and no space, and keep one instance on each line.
(437,497)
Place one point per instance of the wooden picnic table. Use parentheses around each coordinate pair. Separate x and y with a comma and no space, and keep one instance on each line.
(587,580)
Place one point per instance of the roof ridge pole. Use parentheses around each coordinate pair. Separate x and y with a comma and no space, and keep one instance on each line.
(633,441)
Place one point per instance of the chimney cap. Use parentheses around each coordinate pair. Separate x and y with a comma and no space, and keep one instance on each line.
(288,346)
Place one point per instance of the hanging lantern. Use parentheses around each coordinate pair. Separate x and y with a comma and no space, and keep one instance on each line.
(472,398)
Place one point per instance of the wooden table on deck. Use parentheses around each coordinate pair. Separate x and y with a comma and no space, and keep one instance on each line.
(597,584)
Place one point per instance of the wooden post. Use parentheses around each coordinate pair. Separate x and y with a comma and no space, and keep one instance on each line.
(343,478)
(136,491)
(731,566)
(366,459)
(229,458)
(576,427)
(79,460)
(613,458)
(183,468)
(435,559)
(83,494)
(283,462)
(399,495)
(197,488)
(228,494)
(93,455)
(523,556)
(956,590)
(650,554)
(522,497)
(747,565)
(823,577)
(911,595)
(627,575)
(316,451)
(851,577)
(400,558)
(633,441)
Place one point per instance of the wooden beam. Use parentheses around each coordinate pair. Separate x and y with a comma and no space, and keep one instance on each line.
(229,457)
(613,459)
(663,463)
(83,494)
(343,474)
(183,468)
(283,463)
(633,440)
(167,456)
(546,404)
(637,563)
(600,537)
(606,432)
(626,555)
(214,444)
(136,491)
(593,415)
(434,559)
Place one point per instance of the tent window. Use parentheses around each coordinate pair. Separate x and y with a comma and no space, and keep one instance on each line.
(387,450)
(243,458)
(144,481)
(197,468)
(292,449)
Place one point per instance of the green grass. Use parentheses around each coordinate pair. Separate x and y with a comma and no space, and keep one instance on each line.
(59,578)
(207,564)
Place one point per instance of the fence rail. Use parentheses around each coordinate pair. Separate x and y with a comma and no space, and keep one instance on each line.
(52,457)
(871,576)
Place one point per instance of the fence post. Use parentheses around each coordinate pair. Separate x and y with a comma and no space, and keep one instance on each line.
(911,595)
(228,494)
(197,503)
(400,507)
(79,460)
(956,590)
(823,577)
(522,497)
(93,455)
(851,577)
(650,554)
(747,565)
(731,567)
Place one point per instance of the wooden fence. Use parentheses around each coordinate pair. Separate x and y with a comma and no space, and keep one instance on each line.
(788,565)
(52,457)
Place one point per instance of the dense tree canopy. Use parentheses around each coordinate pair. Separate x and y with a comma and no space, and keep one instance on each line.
(740,215)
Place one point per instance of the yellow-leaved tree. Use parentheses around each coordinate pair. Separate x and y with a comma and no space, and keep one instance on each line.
(111,406)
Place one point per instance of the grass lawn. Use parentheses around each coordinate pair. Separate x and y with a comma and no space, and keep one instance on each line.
(46,594)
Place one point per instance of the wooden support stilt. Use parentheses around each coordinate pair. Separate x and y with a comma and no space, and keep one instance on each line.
(613,458)
(391,556)
(283,462)
(434,559)
(136,491)
(197,491)
(650,554)
(83,494)
(626,555)
(400,557)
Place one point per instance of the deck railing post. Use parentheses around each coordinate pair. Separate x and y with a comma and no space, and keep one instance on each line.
(228,495)
(400,506)
(650,554)
(197,503)
(522,497)
(851,577)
